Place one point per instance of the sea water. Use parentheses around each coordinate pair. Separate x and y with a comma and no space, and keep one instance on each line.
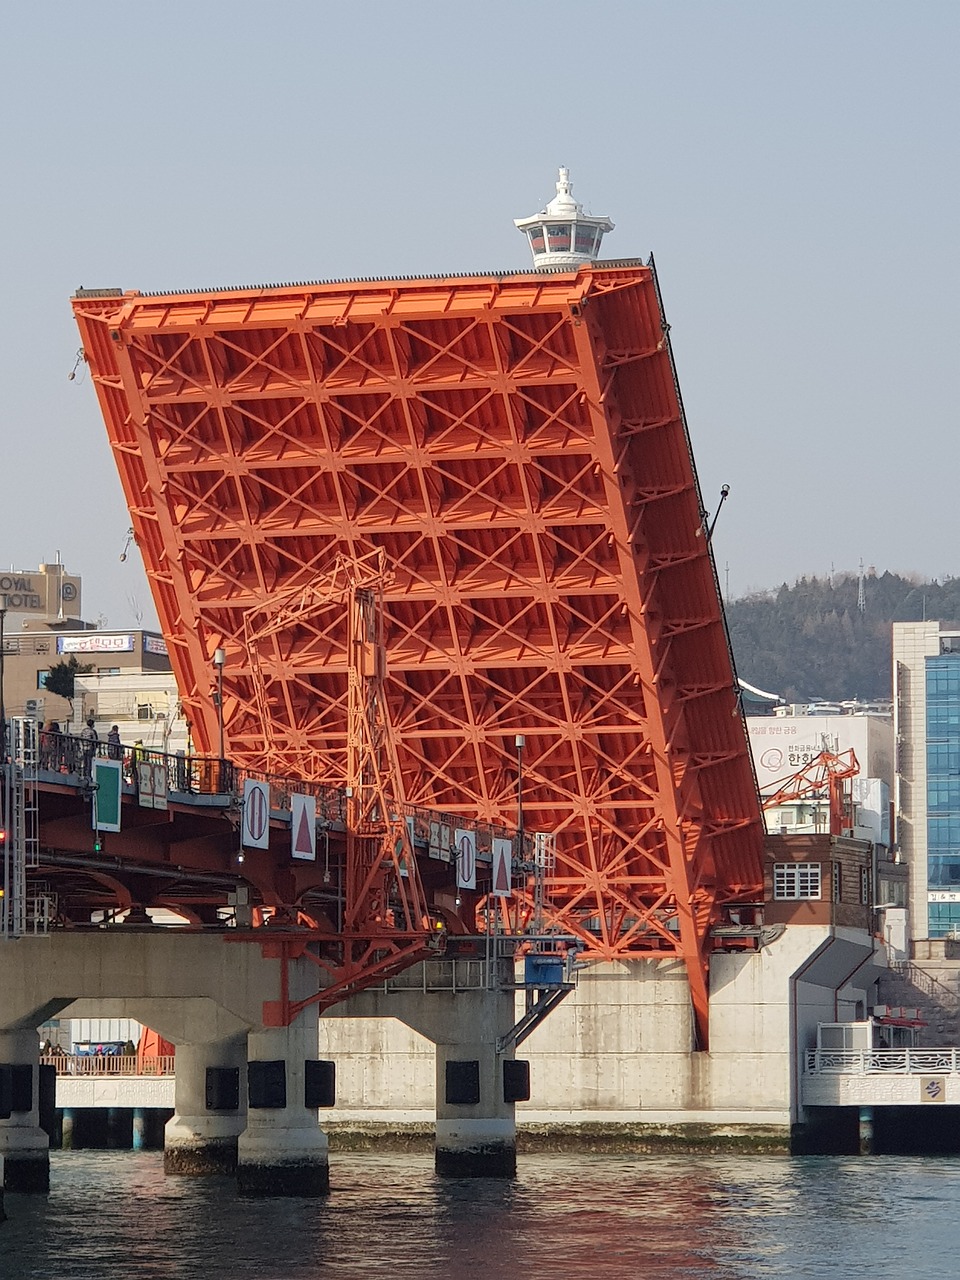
(115,1214)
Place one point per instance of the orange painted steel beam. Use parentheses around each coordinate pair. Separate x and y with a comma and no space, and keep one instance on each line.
(516,446)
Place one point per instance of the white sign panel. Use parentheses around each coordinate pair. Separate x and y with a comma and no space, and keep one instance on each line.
(159,785)
(145,777)
(256,814)
(155,644)
(465,847)
(95,642)
(303,828)
(502,867)
(151,784)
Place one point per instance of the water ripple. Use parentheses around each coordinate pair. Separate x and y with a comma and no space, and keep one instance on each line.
(716,1218)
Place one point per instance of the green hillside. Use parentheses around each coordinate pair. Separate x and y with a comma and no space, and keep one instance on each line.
(811,641)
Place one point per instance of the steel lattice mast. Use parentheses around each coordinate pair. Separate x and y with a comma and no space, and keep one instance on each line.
(515,446)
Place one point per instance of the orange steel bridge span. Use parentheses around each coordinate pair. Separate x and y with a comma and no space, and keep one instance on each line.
(516,447)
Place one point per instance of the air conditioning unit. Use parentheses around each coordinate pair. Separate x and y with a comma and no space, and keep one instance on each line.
(33,707)
(144,711)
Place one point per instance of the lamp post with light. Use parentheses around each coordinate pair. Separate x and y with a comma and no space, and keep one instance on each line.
(219,659)
(520,742)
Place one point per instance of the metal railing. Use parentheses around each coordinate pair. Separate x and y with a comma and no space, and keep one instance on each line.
(874,1062)
(109,1064)
(72,757)
(924,981)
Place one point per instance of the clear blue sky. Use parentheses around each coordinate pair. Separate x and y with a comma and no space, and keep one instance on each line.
(793,166)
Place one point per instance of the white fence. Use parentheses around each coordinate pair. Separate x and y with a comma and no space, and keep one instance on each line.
(882,1062)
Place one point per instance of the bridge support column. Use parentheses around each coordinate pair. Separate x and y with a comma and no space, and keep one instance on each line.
(476,1127)
(283,1150)
(200,1138)
(866,1131)
(24,1147)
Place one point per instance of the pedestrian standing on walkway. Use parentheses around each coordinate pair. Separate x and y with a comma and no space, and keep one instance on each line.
(89,739)
(114,745)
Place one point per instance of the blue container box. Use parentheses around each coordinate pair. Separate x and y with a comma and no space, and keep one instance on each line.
(543,971)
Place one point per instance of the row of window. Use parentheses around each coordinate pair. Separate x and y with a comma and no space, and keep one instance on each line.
(802,881)
(558,238)
(943,678)
(943,870)
(43,676)
(943,833)
(943,757)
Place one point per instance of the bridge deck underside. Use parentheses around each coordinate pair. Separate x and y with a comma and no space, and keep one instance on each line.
(517,446)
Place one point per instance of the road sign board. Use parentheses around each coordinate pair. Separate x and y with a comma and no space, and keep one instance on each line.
(303,828)
(502,867)
(256,814)
(465,846)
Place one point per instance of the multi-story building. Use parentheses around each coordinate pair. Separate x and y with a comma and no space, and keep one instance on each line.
(926,672)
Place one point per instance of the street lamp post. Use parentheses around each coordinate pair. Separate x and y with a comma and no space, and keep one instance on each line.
(520,742)
(219,659)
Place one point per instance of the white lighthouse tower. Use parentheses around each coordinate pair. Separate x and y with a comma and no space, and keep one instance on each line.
(562,235)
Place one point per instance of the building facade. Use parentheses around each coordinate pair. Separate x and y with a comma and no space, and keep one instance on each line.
(926,673)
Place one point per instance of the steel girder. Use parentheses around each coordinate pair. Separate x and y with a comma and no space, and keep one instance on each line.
(516,445)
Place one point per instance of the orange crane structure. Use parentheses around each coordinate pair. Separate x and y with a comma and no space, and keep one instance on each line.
(825,776)
(514,447)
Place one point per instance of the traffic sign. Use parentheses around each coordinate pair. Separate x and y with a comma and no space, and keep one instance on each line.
(256,814)
(502,867)
(465,847)
(303,827)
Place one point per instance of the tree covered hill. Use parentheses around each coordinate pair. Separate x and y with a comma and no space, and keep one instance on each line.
(811,641)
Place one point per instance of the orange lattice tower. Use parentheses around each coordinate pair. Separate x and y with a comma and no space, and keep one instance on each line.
(515,443)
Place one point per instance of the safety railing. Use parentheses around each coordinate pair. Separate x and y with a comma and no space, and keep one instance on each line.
(875,1062)
(72,757)
(110,1064)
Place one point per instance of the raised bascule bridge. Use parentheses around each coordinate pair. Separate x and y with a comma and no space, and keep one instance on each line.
(445,538)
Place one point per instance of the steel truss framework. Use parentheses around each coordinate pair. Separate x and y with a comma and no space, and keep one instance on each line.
(517,447)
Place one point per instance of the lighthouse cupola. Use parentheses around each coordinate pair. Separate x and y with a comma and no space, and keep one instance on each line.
(562,235)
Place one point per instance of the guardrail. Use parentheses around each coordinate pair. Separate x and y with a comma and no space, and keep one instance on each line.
(72,757)
(881,1062)
(109,1064)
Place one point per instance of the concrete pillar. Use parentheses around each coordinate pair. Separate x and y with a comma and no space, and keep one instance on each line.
(24,1146)
(200,1138)
(283,1150)
(139,1129)
(119,1128)
(66,1129)
(866,1131)
(476,1128)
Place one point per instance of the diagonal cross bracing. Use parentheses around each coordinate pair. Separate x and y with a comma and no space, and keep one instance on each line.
(516,445)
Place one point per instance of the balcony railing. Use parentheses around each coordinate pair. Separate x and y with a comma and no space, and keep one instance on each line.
(882,1062)
(110,1064)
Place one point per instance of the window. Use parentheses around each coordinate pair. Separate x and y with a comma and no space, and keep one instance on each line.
(558,238)
(865,886)
(584,239)
(837,882)
(795,880)
(536,239)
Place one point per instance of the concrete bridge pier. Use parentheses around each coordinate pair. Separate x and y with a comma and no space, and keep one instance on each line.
(283,1151)
(200,1139)
(467,1008)
(24,1147)
(476,1128)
